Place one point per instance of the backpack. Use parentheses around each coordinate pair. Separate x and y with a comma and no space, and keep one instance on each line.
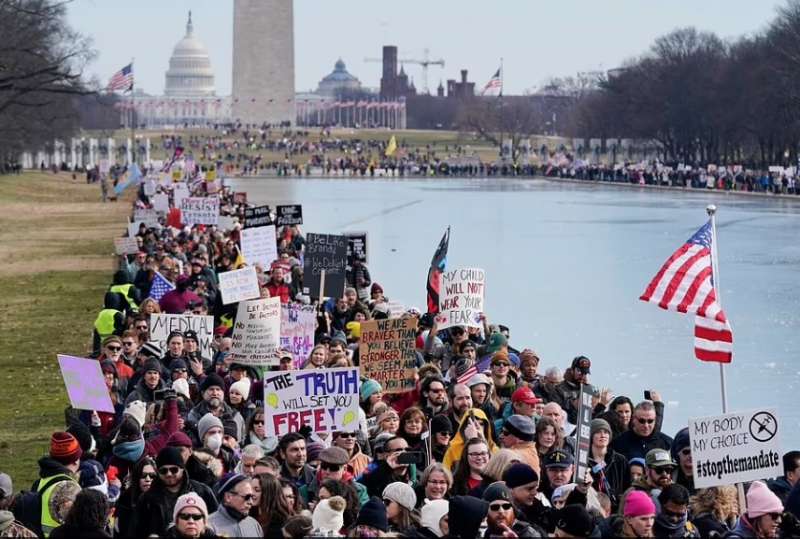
(28,505)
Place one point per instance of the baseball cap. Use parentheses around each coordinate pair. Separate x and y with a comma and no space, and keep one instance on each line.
(478,379)
(558,459)
(583,364)
(658,457)
(525,394)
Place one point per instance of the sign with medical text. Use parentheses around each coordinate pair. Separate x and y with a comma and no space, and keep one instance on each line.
(289,215)
(326,400)
(85,383)
(126,245)
(461,294)
(200,210)
(260,246)
(298,323)
(257,332)
(583,431)
(738,447)
(239,285)
(161,325)
(387,353)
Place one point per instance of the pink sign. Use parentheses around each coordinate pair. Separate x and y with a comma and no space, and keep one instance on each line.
(86,385)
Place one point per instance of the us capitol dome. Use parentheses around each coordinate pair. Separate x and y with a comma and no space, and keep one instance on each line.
(189,73)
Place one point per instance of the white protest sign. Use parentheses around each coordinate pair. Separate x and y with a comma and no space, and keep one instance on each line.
(149,187)
(147,216)
(324,399)
(257,332)
(133,228)
(226,222)
(161,202)
(161,325)
(298,323)
(200,210)
(126,246)
(179,192)
(239,285)
(461,297)
(259,245)
(735,448)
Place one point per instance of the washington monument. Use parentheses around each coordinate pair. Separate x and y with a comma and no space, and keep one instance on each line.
(263,61)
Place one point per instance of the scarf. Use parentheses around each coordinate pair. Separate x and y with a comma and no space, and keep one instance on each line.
(665,523)
(130,451)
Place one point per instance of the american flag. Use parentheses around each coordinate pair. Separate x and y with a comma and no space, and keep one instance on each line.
(685,284)
(160,286)
(495,83)
(469,373)
(122,79)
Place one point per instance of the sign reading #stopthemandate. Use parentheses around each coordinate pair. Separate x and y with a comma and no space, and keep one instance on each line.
(735,448)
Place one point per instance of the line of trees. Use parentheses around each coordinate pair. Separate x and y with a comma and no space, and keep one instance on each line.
(703,99)
(42,63)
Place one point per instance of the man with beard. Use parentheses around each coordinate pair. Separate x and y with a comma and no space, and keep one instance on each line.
(433,399)
(501,520)
(658,474)
(292,449)
(462,401)
(212,389)
(672,519)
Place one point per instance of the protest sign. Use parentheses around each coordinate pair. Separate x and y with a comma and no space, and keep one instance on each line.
(161,325)
(259,246)
(179,192)
(461,298)
(239,285)
(289,215)
(133,228)
(298,323)
(200,210)
(126,246)
(387,353)
(86,385)
(324,399)
(325,260)
(735,448)
(147,216)
(258,216)
(584,435)
(161,202)
(226,222)
(356,246)
(257,332)
(149,187)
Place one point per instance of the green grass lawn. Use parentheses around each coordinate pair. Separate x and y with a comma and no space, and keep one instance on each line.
(56,243)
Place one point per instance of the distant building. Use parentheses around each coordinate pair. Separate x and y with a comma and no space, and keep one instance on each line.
(461,90)
(338,82)
(394,85)
(189,73)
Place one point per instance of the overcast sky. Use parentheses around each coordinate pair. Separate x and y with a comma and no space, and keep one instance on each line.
(537,39)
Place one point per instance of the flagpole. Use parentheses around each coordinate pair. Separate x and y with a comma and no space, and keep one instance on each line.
(711,210)
(133,114)
(502,156)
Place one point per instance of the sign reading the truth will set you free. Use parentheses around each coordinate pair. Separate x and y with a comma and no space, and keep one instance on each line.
(735,448)
(324,399)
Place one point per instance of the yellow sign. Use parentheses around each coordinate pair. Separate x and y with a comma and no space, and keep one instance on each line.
(177,175)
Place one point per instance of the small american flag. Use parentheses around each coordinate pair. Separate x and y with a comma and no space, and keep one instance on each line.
(160,286)
(495,83)
(685,284)
(469,373)
(122,79)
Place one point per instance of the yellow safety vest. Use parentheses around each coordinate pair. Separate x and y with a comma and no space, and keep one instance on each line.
(125,290)
(49,523)
(105,324)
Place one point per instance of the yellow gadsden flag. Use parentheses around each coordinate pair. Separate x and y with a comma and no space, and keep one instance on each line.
(391,147)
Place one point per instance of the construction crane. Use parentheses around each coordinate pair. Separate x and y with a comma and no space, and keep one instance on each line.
(425,62)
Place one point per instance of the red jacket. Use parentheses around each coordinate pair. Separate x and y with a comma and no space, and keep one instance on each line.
(279,291)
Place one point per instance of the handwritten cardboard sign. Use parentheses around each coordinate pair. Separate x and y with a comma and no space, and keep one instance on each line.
(126,246)
(147,216)
(289,215)
(298,323)
(387,353)
(324,399)
(328,253)
(260,246)
(161,202)
(258,216)
(179,192)
(256,333)
(200,210)
(239,285)
(461,294)
(738,447)
(161,325)
(86,385)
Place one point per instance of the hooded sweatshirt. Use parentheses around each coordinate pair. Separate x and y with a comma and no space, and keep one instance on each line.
(453,454)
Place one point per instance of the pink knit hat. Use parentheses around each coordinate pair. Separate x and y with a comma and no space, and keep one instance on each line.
(639,504)
(761,500)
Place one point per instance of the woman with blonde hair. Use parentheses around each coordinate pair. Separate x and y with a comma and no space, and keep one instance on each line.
(317,358)
(715,510)
(149,306)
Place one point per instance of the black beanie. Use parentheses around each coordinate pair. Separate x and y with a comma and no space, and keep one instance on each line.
(82,434)
(373,513)
(440,423)
(466,516)
(170,456)
(152,364)
(212,379)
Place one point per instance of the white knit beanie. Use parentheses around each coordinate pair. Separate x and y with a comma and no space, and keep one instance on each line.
(431,514)
(242,387)
(181,387)
(401,493)
(137,410)
(328,515)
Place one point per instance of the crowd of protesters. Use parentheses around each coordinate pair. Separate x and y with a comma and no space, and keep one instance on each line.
(467,453)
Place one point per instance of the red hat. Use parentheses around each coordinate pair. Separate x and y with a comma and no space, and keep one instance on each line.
(525,394)
(64,448)
(221,330)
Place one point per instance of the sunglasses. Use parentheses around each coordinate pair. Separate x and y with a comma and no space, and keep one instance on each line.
(149,475)
(169,470)
(664,470)
(129,343)
(258,422)
(499,507)
(114,348)
(645,421)
(503,364)
(347,435)
(328,467)
(190,516)
(245,497)
(775,516)
(143,327)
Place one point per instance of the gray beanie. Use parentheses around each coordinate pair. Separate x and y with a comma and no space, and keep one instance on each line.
(402,494)
(206,422)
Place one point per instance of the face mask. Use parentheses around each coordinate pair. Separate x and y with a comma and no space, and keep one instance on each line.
(214,442)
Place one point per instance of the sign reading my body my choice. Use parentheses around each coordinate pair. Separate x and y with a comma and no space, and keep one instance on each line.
(735,448)
(329,253)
